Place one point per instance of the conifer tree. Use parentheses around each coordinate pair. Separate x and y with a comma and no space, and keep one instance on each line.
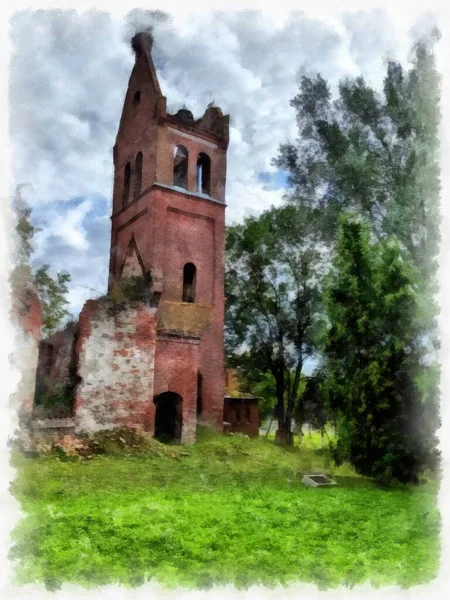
(375,359)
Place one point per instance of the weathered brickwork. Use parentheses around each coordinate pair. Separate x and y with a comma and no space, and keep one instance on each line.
(169,226)
(157,363)
(27,315)
(56,368)
(115,360)
(176,370)
(56,353)
(240,410)
(241,415)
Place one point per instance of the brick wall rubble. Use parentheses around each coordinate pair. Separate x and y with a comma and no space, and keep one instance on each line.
(241,415)
(176,371)
(27,315)
(115,352)
(56,372)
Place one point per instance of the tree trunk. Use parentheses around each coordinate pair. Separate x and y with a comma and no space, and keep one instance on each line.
(279,383)
(284,437)
(286,428)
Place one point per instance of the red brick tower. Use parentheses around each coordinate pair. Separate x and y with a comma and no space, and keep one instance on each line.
(168,219)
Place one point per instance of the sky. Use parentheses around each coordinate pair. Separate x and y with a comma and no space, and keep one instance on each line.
(68,77)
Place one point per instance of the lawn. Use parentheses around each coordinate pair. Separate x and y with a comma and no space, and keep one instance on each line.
(227,510)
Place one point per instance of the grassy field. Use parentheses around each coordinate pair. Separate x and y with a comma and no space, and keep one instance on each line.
(227,510)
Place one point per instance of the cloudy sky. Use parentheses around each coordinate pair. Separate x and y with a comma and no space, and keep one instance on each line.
(69,74)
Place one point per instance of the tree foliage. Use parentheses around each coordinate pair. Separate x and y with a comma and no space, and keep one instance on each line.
(375,357)
(53,296)
(273,298)
(52,290)
(376,154)
(312,405)
(25,229)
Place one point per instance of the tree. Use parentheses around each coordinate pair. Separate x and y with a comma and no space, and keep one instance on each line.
(273,270)
(25,229)
(53,296)
(311,407)
(375,359)
(377,155)
(52,291)
(265,390)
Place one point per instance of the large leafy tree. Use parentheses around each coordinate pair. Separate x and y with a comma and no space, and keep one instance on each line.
(53,296)
(273,269)
(376,359)
(376,154)
(52,290)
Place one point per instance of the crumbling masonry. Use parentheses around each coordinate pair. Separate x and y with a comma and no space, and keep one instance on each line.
(156,362)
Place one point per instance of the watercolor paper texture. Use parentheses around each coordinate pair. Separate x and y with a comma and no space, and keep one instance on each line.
(224,247)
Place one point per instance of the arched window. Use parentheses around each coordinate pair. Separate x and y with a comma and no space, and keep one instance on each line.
(238,413)
(126,184)
(136,98)
(180,166)
(203,173)
(189,277)
(138,174)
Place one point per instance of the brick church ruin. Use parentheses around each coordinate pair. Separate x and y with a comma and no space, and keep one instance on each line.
(149,354)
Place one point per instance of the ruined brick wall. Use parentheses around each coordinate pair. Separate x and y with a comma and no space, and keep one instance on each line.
(138,129)
(55,366)
(232,385)
(172,133)
(169,227)
(194,231)
(241,415)
(27,315)
(176,368)
(115,353)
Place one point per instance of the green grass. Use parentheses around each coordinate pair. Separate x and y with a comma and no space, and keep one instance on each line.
(227,510)
(310,440)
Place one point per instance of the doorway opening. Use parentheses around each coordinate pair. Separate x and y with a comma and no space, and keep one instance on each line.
(168,417)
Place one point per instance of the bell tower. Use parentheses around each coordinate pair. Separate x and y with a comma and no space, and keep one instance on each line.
(168,221)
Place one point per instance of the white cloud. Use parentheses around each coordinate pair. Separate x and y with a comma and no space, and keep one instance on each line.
(69,74)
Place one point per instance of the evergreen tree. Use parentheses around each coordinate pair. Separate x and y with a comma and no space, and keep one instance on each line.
(375,358)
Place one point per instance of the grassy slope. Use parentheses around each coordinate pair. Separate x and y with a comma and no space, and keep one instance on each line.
(226,510)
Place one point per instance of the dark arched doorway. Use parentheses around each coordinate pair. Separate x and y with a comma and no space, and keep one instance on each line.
(168,417)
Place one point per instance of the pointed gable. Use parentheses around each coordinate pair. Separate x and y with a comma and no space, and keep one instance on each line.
(133,265)
(143,100)
(142,45)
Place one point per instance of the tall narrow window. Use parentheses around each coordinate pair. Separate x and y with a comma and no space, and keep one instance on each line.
(203,173)
(136,98)
(49,358)
(138,174)
(180,166)
(238,413)
(247,415)
(189,277)
(199,394)
(126,184)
